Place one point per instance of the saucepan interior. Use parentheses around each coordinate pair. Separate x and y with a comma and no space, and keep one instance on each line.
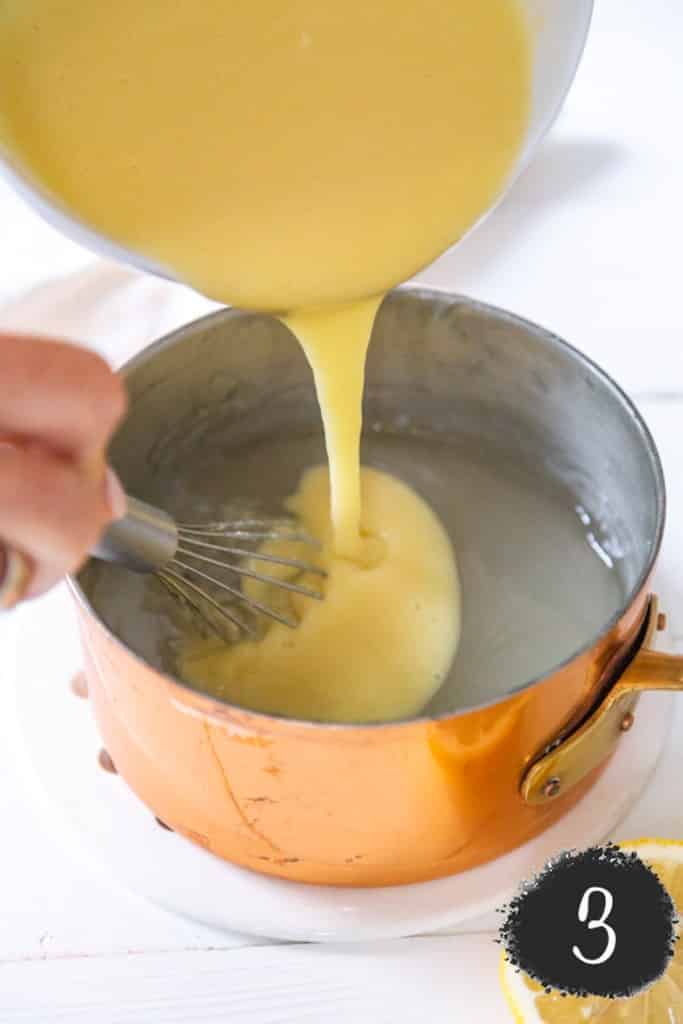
(541,469)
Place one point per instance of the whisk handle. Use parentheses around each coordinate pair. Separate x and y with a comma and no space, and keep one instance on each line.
(144,540)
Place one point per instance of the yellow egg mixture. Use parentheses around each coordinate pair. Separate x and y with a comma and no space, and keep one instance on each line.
(300,158)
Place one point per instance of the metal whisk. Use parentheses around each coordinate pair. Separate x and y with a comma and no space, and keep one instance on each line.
(186,557)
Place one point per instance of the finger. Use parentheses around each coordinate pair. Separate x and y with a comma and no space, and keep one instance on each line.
(43,578)
(58,394)
(44,575)
(50,511)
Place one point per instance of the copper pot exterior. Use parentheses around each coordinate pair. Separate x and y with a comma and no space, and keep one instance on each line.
(355,806)
(386,804)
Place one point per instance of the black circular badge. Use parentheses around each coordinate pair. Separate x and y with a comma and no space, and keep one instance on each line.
(598,922)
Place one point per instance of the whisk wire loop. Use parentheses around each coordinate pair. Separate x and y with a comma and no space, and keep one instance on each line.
(148,540)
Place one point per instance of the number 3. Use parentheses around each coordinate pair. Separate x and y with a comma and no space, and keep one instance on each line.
(597,923)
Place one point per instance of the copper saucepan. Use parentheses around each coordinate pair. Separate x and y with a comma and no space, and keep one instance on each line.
(409,801)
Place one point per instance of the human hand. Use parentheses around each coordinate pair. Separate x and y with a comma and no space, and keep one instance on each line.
(59,407)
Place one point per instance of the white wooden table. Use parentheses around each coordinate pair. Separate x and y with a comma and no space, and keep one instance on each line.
(588,243)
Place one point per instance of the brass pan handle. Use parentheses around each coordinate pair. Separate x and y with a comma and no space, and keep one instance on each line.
(568,761)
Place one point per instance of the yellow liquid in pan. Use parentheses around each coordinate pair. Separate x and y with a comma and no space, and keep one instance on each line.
(380,643)
(300,158)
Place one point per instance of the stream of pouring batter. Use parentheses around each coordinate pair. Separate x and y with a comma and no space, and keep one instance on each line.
(293,157)
(336,343)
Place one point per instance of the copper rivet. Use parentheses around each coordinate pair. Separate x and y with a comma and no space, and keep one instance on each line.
(661,621)
(79,685)
(163,824)
(106,762)
(627,721)
(552,787)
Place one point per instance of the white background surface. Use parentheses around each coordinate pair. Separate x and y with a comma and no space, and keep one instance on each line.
(588,243)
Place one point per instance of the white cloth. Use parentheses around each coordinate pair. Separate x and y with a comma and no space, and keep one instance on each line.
(105,306)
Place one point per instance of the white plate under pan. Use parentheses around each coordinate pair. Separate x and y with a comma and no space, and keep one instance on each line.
(57,747)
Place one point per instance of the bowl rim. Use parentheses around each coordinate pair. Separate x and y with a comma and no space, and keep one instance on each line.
(215,706)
